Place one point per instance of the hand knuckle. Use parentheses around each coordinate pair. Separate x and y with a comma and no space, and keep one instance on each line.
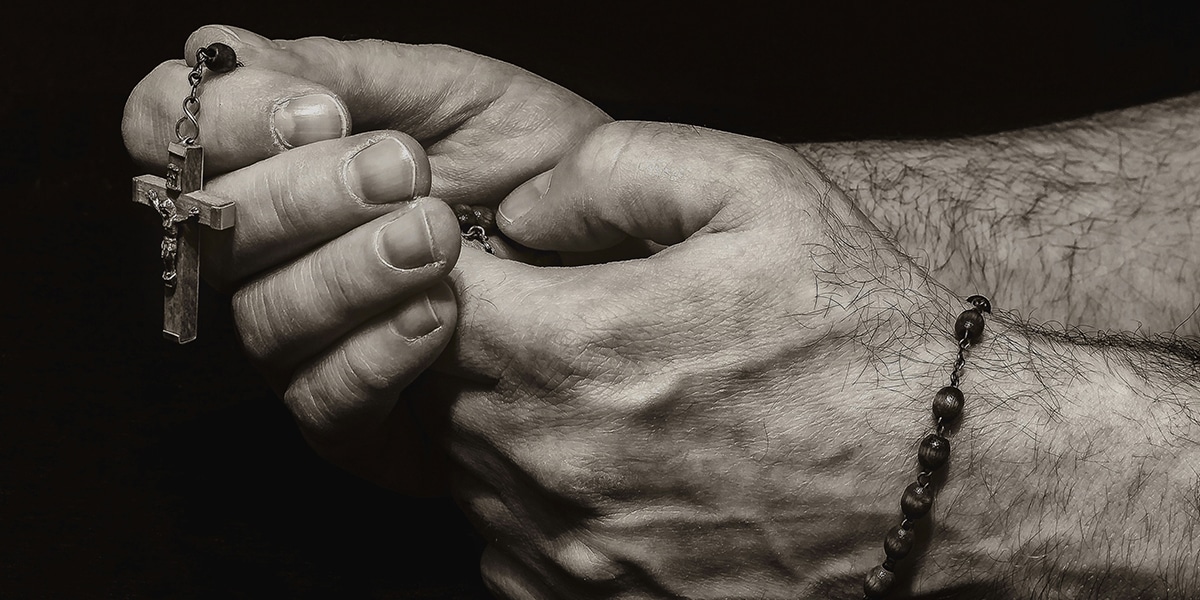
(584,560)
(554,363)
(291,217)
(330,285)
(568,470)
(144,120)
(613,144)
(253,320)
(325,398)
(308,402)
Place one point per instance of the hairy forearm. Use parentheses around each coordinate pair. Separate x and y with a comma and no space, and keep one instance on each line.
(1086,223)
(1076,472)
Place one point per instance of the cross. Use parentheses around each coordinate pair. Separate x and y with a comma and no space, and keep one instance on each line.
(178,198)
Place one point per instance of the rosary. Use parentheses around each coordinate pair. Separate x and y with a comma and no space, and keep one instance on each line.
(476,223)
(182,203)
(932,454)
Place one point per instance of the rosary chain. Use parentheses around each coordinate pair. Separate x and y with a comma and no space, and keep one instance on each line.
(956,373)
(933,454)
(169,248)
(191,104)
(479,234)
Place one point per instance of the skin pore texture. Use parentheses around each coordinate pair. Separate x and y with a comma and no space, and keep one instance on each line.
(1076,473)
(775,471)
(1087,227)
(1089,223)
(737,415)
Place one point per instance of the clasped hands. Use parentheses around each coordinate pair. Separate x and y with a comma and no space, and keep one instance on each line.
(729,414)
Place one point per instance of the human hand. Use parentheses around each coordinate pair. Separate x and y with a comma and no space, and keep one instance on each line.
(738,415)
(732,417)
(337,267)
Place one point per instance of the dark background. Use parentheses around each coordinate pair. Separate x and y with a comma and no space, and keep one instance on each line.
(130,468)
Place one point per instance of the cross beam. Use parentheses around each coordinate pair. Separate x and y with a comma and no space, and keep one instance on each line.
(181,195)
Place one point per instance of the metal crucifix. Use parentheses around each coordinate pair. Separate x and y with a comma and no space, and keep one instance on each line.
(183,205)
(178,199)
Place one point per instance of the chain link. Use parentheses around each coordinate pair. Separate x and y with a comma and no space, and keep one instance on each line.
(191,104)
(478,234)
(955,374)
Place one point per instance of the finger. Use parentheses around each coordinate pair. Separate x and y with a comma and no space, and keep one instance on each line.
(652,181)
(664,183)
(292,312)
(513,124)
(508,578)
(245,115)
(510,312)
(343,400)
(294,201)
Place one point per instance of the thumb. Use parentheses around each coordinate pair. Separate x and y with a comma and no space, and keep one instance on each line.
(417,89)
(650,181)
(511,123)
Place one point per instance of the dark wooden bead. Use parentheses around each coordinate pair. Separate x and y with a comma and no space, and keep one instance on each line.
(466,216)
(970,324)
(899,542)
(879,582)
(934,451)
(916,502)
(981,302)
(221,58)
(948,403)
(485,218)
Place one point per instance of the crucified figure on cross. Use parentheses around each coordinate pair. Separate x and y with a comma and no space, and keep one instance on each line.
(180,197)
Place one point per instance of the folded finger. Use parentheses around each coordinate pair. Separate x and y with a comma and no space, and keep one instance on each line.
(343,399)
(295,201)
(245,115)
(510,579)
(292,312)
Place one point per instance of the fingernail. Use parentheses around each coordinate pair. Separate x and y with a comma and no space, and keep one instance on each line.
(524,198)
(383,172)
(308,119)
(417,320)
(406,242)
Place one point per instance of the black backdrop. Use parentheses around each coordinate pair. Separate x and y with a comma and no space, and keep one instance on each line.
(130,468)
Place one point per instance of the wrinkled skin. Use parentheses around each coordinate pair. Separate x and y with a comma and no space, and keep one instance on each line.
(690,424)
(313,299)
(731,414)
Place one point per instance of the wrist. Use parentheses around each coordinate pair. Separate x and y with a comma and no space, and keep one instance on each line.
(1061,472)
(1085,223)
(917,193)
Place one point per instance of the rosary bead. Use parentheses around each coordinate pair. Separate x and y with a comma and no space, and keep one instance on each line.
(879,582)
(981,302)
(899,542)
(466,216)
(472,216)
(948,403)
(934,452)
(916,501)
(485,218)
(969,324)
(221,58)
